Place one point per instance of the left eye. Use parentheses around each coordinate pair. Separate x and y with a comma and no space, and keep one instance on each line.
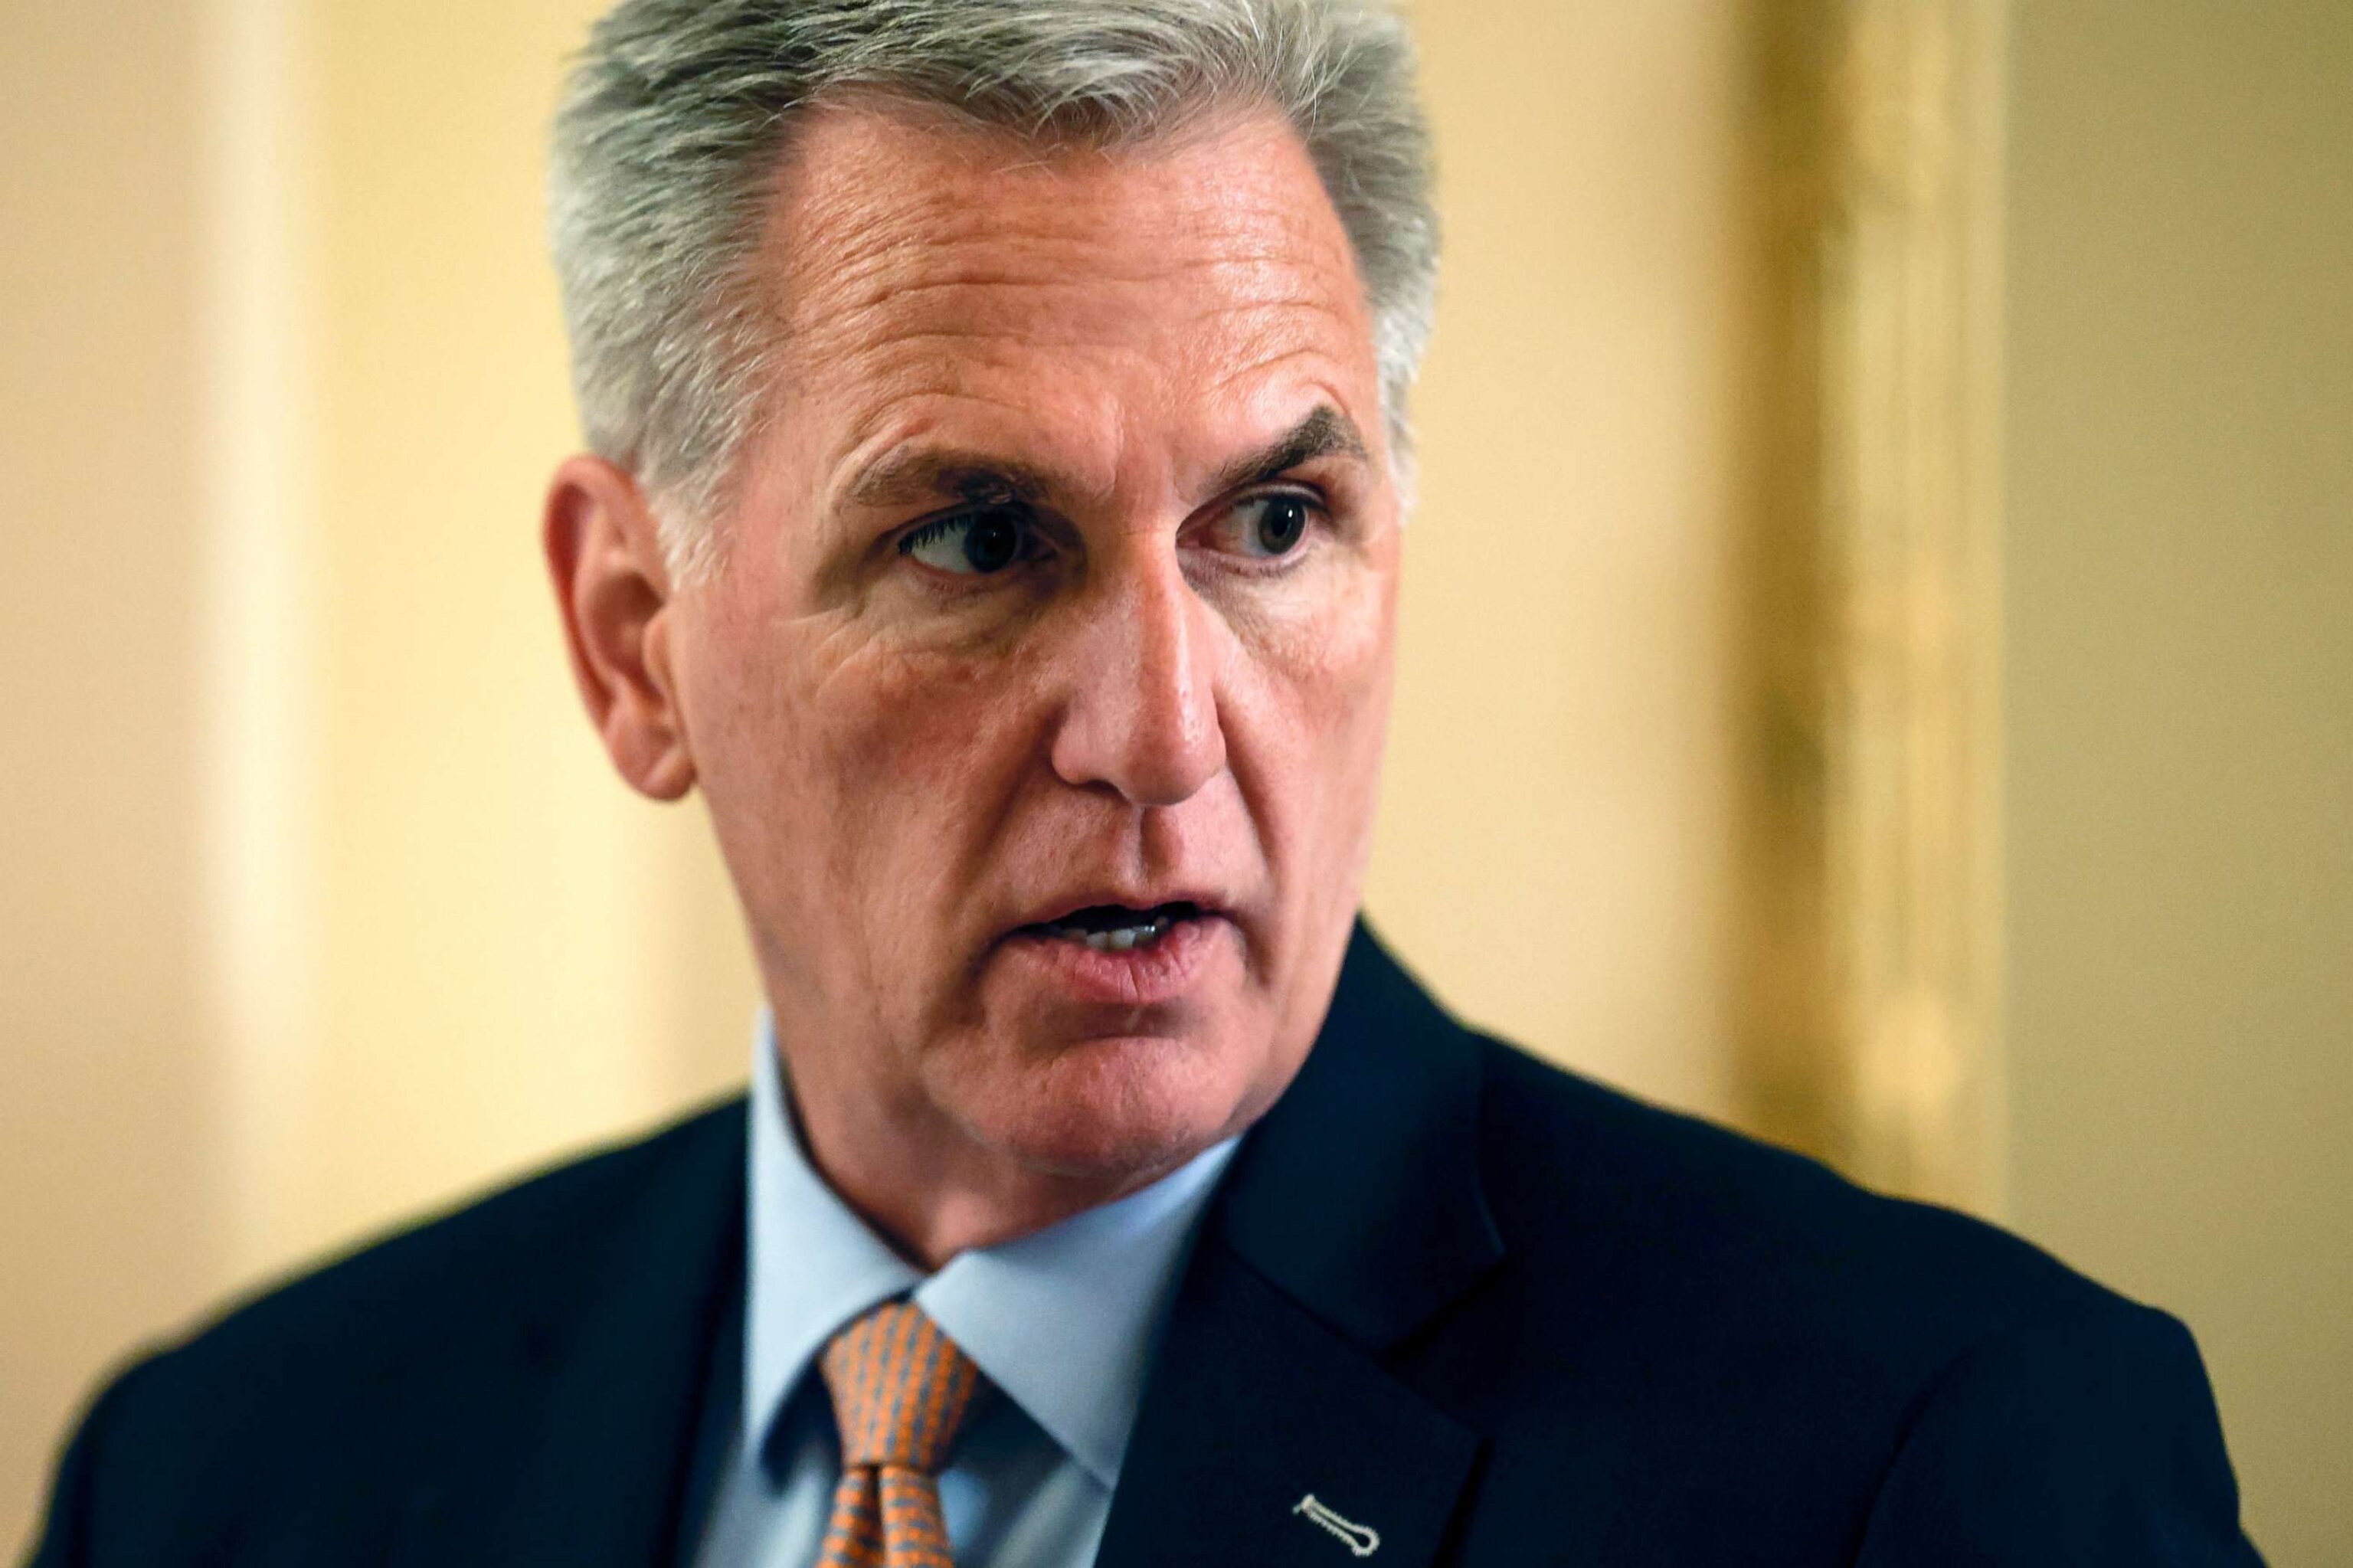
(1269,525)
(972,544)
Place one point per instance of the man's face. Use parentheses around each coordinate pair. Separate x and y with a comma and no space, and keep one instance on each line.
(1039,700)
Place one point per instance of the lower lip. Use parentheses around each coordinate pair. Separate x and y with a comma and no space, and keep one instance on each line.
(1146,976)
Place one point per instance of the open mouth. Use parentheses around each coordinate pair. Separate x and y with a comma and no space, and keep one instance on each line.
(1116,928)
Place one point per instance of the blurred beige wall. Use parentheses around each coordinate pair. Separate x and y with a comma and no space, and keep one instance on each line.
(511,948)
(1555,847)
(324,905)
(108,1214)
(2179,600)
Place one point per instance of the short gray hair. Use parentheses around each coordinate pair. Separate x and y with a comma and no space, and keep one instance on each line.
(677,113)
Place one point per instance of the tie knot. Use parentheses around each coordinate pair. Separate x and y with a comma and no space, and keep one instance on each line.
(901,1389)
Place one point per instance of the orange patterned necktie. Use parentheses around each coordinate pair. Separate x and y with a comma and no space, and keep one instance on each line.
(901,1388)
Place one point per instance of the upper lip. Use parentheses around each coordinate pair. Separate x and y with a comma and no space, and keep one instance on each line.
(1054,911)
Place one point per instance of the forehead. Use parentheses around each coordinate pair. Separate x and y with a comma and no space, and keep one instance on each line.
(915,258)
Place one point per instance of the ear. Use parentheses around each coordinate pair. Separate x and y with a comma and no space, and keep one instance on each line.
(603,557)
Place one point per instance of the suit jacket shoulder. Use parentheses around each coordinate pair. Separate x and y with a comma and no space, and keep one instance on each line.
(1699,1328)
(1697,1225)
(419,1376)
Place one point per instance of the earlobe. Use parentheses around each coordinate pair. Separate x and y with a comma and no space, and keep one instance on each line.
(603,560)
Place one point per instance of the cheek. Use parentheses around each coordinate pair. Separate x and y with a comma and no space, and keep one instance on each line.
(839,772)
(907,757)
(1309,720)
(1309,714)
(1334,665)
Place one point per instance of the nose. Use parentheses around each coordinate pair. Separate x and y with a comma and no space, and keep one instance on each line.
(1141,714)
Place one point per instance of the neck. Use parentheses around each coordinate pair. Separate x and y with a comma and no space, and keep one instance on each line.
(930,1189)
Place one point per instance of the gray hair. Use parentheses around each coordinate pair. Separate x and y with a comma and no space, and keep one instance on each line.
(677,113)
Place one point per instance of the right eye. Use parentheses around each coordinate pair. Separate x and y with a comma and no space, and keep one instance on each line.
(974,544)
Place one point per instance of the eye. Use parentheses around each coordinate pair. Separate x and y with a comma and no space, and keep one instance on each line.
(1269,525)
(973,544)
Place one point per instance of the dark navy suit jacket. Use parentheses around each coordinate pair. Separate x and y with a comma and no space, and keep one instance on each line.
(1486,1312)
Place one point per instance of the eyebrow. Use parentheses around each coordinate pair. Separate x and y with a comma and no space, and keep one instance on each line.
(907,477)
(1326,432)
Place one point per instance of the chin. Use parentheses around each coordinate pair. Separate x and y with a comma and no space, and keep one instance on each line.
(1119,1110)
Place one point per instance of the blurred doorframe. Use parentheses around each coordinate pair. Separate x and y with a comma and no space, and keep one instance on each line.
(1869,971)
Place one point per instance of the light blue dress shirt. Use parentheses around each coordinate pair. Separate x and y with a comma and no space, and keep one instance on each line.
(1064,1322)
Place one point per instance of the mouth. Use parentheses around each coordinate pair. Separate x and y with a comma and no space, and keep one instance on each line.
(1117,927)
(1126,955)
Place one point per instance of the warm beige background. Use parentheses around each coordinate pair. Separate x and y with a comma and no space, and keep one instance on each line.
(110,1215)
(323,905)
(2180,698)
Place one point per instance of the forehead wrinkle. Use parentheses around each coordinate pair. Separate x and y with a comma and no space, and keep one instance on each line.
(1101,266)
(1274,328)
(1114,197)
(995,369)
(952,355)
(881,295)
(1270,358)
(872,233)
(898,375)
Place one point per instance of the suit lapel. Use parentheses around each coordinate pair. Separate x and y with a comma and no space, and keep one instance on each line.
(1255,1408)
(1270,1431)
(609,1439)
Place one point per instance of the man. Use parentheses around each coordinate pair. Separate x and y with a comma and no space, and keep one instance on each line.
(998,423)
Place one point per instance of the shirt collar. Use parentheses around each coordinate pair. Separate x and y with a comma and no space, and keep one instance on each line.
(1063,1320)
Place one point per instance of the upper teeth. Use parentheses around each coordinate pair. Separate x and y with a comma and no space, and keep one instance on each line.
(1119,939)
